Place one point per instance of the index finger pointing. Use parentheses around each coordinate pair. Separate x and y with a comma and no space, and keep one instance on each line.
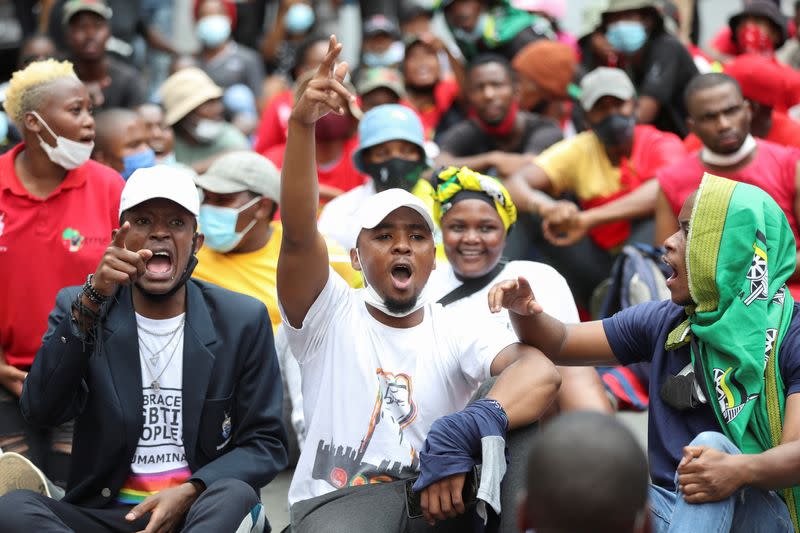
(119,237)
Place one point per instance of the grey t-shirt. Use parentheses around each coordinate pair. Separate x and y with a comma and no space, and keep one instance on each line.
(467,138)
(236,64)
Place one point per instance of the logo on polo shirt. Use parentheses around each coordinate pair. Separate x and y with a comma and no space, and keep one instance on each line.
(72,239)
(2,222)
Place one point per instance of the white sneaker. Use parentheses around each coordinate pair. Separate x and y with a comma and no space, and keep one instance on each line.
(16,472)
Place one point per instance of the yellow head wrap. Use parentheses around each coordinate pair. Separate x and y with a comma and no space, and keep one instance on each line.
(452,180)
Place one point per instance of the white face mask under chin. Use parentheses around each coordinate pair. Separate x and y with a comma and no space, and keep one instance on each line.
(373,299)
(67,154)
(729,160)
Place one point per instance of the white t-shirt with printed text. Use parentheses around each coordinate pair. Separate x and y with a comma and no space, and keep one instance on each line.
(159,461)
(371,392)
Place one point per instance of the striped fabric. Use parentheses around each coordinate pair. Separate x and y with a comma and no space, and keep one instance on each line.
(139,486)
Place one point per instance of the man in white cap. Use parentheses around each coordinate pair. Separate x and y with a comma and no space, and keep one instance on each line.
(178,414)
(609,169)
(386,374)
(193,107)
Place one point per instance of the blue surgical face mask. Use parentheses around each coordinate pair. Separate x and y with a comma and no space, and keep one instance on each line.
(626,36)
(144,159)
(299,19)
(476,33)
(392,56)
(218,224)
(213,30)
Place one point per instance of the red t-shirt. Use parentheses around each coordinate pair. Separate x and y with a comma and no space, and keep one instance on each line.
(773,169)
(47,244)
(652,150)
(342,174)
(784,131)
(274,122)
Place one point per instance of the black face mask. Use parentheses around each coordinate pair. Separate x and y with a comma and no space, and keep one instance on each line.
(615,129)
(395,173)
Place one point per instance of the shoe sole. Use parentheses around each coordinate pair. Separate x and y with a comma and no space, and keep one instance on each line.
(16,472)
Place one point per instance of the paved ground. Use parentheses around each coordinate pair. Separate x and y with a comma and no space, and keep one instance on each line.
(274,495)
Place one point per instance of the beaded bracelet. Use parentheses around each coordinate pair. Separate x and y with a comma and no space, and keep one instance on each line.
(90,292)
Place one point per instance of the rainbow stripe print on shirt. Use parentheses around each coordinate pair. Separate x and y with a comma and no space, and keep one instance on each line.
(139,486)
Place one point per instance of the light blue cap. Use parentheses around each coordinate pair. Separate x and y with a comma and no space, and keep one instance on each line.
(388,122)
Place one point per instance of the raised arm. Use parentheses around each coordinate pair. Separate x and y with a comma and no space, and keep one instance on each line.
(581,344)
(530,189)
(303,260)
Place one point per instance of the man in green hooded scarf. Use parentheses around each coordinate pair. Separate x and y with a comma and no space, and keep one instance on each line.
(724,426)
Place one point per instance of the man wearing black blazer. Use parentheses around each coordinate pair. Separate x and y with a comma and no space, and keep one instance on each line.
(173,383)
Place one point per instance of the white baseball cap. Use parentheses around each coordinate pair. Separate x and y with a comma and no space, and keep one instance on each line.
(172,182)
(377,207)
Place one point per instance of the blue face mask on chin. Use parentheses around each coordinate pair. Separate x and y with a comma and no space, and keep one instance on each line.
(213,30)
(144,159)
(218,224)
(626,36)
(390,57)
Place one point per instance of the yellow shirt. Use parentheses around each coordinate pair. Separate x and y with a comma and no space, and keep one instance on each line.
(255,273)
(580,165)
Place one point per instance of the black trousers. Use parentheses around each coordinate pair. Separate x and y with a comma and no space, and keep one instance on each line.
(221,507)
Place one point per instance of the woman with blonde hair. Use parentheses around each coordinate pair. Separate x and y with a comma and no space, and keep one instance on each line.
(57,211)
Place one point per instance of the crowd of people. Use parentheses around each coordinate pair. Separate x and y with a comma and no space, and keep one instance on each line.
(386,274)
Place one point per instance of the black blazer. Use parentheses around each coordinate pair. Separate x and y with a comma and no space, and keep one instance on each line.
(229,369)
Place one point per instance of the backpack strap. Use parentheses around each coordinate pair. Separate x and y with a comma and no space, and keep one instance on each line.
(471,286)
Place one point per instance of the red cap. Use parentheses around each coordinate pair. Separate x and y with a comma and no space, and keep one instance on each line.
(765,81)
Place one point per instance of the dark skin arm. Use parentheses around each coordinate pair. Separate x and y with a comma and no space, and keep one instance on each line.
(157,40)
(269,47)
(303,260)
(708,475)
(11,377)
(530,188)
(526,385)
(647,110)
(583,344)
(565,232)
(506,163)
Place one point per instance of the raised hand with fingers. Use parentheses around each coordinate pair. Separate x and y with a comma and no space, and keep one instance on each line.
(515,295)
(325,92)
(119,266)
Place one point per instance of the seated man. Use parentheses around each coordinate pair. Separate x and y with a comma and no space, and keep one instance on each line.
(498,138)
(121,141)
(177,413)
(386,374)
(574,483)
(609,168)
(724,417)
(721,119)
(193,107)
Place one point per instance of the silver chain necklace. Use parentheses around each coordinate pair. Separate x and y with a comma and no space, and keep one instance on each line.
(154,355)
(154,383)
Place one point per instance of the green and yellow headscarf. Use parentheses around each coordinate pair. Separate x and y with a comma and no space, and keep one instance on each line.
(452,181)
(740,252)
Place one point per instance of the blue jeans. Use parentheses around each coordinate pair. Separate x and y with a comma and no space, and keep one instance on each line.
(745,511)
